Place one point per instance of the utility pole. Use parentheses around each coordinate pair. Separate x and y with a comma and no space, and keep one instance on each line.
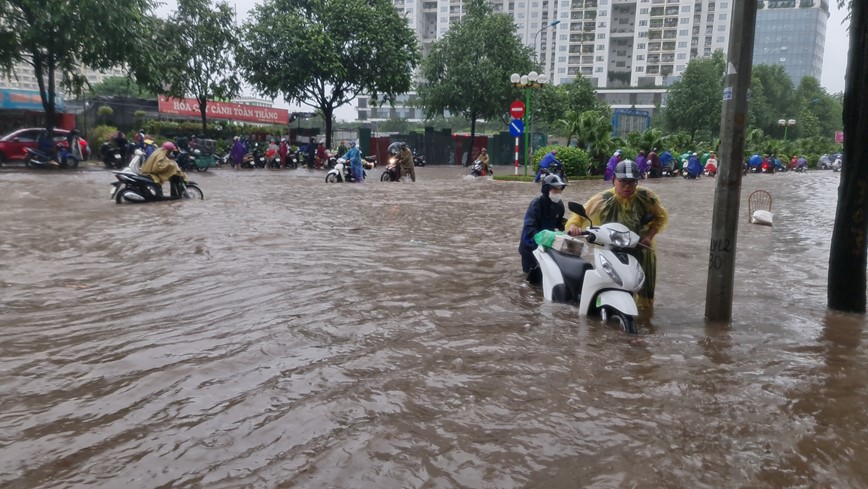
(733,120)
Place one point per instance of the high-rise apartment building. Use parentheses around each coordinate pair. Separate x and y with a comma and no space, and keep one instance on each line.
(616,44)
(24,77)
(792,33)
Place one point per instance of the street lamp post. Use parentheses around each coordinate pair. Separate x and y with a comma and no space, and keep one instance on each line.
(551,24)
(786,123)
(528,82)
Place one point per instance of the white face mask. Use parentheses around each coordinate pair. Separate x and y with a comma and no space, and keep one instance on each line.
(555,197)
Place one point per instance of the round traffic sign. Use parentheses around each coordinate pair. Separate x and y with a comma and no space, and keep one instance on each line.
(516,109)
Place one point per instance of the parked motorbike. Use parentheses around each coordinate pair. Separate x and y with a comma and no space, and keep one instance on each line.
(185,160)
(342,172)
(478,169)
(418,160)
(37,159)
(112,156)
(134,188)
(605,287)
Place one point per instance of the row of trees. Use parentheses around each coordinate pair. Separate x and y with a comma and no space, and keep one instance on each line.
(694,102)
(319,53)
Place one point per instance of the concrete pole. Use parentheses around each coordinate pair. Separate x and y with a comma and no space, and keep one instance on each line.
(733,121)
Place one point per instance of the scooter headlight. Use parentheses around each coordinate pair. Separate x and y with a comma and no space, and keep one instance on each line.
(610,271)
(619,239)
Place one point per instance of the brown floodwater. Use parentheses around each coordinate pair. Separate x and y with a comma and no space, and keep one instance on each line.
(285,332)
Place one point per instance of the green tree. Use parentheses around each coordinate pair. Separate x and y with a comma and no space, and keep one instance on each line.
(594,135)
(847,256)
(553,102)
(58,38)
(122,87)
(200,57)
(771,99)
(324,53)
(819,112)
(467,71)
(694,102)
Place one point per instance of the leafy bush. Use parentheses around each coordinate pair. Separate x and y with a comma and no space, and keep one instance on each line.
(99,135)
(576,160)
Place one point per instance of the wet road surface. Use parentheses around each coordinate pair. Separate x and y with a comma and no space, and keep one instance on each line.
(285,332)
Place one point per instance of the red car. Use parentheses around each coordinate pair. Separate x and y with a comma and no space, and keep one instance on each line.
(12,144)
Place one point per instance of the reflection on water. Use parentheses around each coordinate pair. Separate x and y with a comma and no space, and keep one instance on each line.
(286,332)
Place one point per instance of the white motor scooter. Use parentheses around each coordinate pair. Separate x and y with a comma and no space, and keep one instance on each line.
(606,286)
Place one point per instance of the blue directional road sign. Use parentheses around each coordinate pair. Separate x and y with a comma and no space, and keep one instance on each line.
(516,127)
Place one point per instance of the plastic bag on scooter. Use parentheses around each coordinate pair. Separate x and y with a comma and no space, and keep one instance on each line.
(558,241)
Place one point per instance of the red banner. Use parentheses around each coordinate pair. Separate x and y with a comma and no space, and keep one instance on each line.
(189,107)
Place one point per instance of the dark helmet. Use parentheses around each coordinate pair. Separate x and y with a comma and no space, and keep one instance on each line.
(394,148)
(552,181)
(627,169)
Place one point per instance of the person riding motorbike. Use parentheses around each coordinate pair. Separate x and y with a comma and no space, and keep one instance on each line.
(161,167)
(544,212)
(545,163)
(483,159)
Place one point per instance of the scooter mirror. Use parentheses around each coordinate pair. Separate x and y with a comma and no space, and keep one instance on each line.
(577,208)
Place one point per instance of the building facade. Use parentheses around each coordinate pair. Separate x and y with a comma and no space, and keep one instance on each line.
(633,45)
(792,33)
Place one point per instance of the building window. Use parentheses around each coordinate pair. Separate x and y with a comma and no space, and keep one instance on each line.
(682,55)
(685,20)
(682,32)
(721,39)
(685,8)
(641,45)
(562,59)
(643,34)
(721,17)
(679,68)
(599,69)
(601,36)
(562,70)
(682,44)
(640,69)
(640,57)
(601,24)
(643,23)
(643,11)
(600,58)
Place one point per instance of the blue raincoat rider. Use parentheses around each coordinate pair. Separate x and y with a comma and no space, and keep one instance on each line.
(544,212)
(546,163)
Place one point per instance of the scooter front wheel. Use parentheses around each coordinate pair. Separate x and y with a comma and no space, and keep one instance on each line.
(626,322)
(193,192)
(331,178)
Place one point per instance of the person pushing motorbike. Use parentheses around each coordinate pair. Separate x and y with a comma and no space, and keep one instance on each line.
(405,157)
(630,205)
(544,212)
(161,167)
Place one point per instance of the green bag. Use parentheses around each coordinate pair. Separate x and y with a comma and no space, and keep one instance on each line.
(546,237)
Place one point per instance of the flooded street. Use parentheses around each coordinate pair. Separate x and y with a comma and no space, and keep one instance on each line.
(285,332)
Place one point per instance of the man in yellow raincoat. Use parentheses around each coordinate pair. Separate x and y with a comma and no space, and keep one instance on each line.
(628,203)
(161,167)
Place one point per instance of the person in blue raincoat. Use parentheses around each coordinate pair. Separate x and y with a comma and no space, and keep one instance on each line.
(546,163)
(354,156)
(755,161)
(544,212)
(666,159)
(694,167)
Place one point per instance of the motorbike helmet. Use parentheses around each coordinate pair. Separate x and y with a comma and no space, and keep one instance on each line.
(552,181)
(627,169)
(394,148)
(169,146)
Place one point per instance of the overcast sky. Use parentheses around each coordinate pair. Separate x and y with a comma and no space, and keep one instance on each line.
(834,59)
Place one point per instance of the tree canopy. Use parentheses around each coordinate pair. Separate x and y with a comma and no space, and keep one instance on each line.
(58,38)
(199,59)
(467,71)
(323,53)
(120,86)
(694,102)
